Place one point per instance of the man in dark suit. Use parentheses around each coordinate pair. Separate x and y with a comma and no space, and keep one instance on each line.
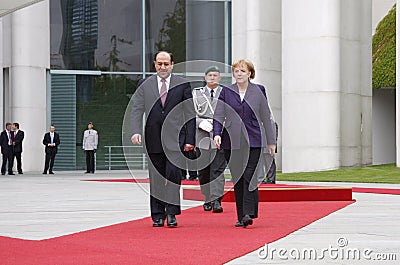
(165,99)
(6,141)
(51,141)
(18,138)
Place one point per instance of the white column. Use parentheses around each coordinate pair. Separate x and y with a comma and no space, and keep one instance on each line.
(1,74)
(256,35)
(356,89)
(397,85)
(30,59)
(310,85)
(324,84)
(365,82)
(5,62)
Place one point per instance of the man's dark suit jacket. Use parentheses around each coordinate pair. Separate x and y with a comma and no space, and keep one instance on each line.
(252,117)
(4,142)
(18,141)
(165,127)
(47,140)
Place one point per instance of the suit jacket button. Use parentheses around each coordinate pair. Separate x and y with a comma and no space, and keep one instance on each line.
(162,112)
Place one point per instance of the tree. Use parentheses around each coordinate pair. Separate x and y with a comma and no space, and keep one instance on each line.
(384,52)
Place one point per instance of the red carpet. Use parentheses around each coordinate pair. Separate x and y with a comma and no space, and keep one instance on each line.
(201,238)
(377,190)
(267,192)
(230,184)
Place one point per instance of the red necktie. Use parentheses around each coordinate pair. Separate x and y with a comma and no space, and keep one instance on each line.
(163,92)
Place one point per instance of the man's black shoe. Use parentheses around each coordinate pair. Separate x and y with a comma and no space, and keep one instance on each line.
(171,221)
(247,220)
(20,173)
(44,173)
(51,172)
(207,206)
(239,224)
(158,223)
(216,207)
(11,173)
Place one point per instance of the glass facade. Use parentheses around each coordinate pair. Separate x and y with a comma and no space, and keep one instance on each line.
(109,45)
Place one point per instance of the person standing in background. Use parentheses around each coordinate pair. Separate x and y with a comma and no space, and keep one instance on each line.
(18,138)
(6,142)
(51,142)
(90,141)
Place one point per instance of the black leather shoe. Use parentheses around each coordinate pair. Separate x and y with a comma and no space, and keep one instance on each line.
(87,172)
(171,221)
(239,224)
(51,172)
(158,223)
(216,207)
(247,220)
(44,173)
(207,206)
(11,174)
(20,173)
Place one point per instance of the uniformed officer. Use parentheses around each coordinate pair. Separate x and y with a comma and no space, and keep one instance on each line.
(90,140)
(211,161)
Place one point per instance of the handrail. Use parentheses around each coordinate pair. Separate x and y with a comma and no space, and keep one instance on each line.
(113,158)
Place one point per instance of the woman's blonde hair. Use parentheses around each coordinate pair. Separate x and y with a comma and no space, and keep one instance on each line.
(245,63)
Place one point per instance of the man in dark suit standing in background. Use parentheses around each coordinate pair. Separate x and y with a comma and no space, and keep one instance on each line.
(6,142)
(18,138)
(165,99)
(51,141)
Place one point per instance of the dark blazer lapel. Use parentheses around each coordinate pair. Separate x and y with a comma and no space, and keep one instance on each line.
(251,92)
(154,88)
(235,88)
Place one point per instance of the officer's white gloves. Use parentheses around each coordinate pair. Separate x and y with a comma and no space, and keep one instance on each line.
(206,125)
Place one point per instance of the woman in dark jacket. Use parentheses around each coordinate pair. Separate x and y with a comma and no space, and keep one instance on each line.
(242,127)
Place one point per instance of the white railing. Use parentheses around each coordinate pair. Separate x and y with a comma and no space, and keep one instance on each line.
(116,158)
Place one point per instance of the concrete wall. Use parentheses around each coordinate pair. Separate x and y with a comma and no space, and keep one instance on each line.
(398,86)
(26,51)
(384,129)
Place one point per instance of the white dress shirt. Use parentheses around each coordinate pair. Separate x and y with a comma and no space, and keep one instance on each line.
(167,82)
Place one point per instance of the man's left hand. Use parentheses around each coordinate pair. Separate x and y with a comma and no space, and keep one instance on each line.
(271,149)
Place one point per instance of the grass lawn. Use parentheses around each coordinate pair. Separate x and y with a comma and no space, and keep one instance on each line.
(372,174)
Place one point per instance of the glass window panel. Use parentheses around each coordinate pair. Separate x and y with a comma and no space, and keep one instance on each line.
(165,29)
(205,30)
(105,106)
(96,35)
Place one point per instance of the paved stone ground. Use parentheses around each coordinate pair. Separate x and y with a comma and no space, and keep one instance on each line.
(36,206)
